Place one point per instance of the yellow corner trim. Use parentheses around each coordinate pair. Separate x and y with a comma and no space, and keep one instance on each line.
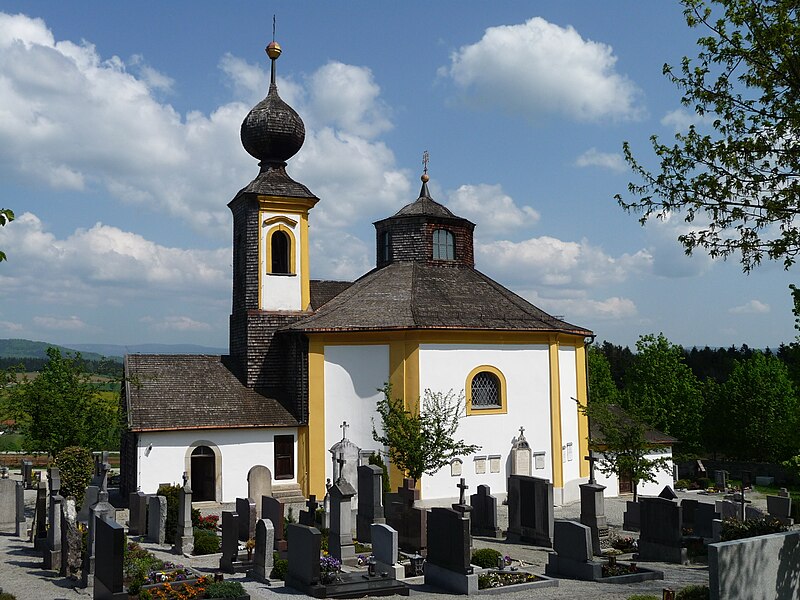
(316,447)
(555,416)
(583,420)
(292,248)
(498,410)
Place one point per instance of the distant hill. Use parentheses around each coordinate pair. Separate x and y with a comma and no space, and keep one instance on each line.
(120,350)
(16,348)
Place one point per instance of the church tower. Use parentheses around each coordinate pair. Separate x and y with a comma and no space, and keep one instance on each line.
(270,242)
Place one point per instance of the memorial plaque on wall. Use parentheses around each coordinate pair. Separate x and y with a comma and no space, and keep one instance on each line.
(539,458)
(455,468)
(523,462)
(480,465)
(494,464)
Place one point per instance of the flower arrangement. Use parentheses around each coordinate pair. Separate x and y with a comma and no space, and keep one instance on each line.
(329,567)
(210,522)
(362,559)
(625,544)
(179,591)
(502,579)
(616,569)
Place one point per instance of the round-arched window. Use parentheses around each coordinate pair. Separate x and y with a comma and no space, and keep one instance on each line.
(486,390)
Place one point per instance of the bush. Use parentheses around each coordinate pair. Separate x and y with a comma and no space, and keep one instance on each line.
(205,541)
(200,522)
(11,442)
(694,592)
(734,529)
(683,484)
(280,566)
(137,565)
(75,466)
(703,483)
(170,492)
(7,596)
(375,459)
(486,558)
(225,589)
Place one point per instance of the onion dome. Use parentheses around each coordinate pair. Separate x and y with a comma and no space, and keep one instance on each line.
(272,131)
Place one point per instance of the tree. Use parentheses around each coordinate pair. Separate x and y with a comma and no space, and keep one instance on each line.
(738,180)
(662,389)
(60,408)
(620,445)
(6,216)
(601,385)
(421,442)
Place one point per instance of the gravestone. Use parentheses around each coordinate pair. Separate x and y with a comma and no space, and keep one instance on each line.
(110,551)
(631,519)
(447,564)
(780,508)
(262,557)
(461,506)
(246,509)
(340,537)
(689,507)
(156,519)
(90,498)
(409,522)
(52,550)
(384,549)
(183,540)
(259,483)
(8,506)
(102,510)
(40,518)
(273,509)
(27,473)
(21,528)
(521,455)
(349,452)
(573,547)
(308,517)
(721,480)
(483,519)
(668,493)
(370,501)
(304,548)
(530,511)
(137,513)
(704,515)
(728,509)
(661,536)
(753,512)
(783,493)
(71,541)
(53,481)
(230,542)
(593,515)
(747,479)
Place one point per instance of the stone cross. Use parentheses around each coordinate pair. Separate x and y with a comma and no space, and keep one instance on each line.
(521,432)
(344,427)
(591,458)
(185,478)
(341,460)
(462,488)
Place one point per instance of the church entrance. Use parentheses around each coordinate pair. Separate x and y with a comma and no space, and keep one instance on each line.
(203,474)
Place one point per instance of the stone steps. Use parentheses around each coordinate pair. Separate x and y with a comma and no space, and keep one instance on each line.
(288,493)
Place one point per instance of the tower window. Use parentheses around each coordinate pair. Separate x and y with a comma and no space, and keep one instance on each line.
(386,248)
(486,391)
(280,252)
(443,245)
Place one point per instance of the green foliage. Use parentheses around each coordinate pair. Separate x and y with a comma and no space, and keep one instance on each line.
(375,459)
(137,565)
(660,387)
(205,541)
(694,592)
(61,408)
(170,492)
(422,442)
(486,558)
(601,384)
(683,484)
(11,442)
(225,589)
(75,466)
(733,174)
(280,567)
(6,595)
(734,529)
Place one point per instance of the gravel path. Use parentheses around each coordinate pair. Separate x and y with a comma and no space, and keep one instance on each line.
(21,573)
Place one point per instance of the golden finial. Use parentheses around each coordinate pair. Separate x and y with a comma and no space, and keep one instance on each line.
(425,158)
(273,50)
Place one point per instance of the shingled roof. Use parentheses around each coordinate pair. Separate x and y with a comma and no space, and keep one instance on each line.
(274,181)
(186,391)
(412,295)
(323,291)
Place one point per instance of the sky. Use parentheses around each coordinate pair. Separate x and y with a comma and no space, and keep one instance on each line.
(119,151)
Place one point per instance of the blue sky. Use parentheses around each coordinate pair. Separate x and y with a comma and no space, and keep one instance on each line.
(119,151)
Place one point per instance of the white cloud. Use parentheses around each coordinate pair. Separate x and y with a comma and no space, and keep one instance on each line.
(537,67)
(10,326)
(71,323)
(490,208)
(577,307)
(754,307)
(175,323)
(680,119)
(607,160)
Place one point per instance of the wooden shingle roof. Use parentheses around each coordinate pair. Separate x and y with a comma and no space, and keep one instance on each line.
(413,295)
(323,291)
(187,391)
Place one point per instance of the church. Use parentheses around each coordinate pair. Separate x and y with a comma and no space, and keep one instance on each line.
(307,358)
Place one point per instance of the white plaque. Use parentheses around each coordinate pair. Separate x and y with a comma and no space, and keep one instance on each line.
(523,462)
(480,465)
(539,459)
(455,468)
(569,450)
(494,464)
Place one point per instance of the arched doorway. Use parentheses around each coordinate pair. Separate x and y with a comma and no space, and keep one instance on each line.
(203,470)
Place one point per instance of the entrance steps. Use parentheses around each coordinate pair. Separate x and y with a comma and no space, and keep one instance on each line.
(288,493)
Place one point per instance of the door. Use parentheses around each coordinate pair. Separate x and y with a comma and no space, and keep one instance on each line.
(204,470)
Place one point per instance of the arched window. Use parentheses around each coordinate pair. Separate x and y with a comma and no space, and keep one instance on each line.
(386,247)
(486,391)
(443,245)
(279,246)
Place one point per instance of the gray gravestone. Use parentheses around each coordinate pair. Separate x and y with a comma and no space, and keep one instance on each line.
(530,510)
(110,550)
(521,455)
(752,512)
(27,474)
(384,549)
(370,501)
(8,506)
(572,543)
(704,515)
(483,518)
(631,519)
(668,493)
(102,510)
(230,541)
(156,519)
(21,529)
(259,483)
(90,497)
(137,511)
(449,540)
(52,551)
(689,507)
(340,537)
(780,507)
(728,509)
(71,541)
(308,517)
(409,522)
(347,450)
(661,535)
(40,516)
(246,509)
(747,479)
(304,548)
(273,509)
(593,514)
(183,540)
(721,480)
(262,557)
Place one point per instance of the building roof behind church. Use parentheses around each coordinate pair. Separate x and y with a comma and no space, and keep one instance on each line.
(323,291)
(189,391)
(412,295)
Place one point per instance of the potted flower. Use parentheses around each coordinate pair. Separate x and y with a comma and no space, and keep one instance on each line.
(250,545)
(329,568)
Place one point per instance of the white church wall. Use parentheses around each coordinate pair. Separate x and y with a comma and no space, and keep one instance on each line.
(240,450)
(570,443)
(353,376)
(443,367)
(663,477)
(281,292)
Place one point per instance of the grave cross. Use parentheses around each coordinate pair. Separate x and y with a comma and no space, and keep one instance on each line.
(591,458)
(311,504)
(341,461)
(185,478)
(522,432)
(462,487)
(344,427)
